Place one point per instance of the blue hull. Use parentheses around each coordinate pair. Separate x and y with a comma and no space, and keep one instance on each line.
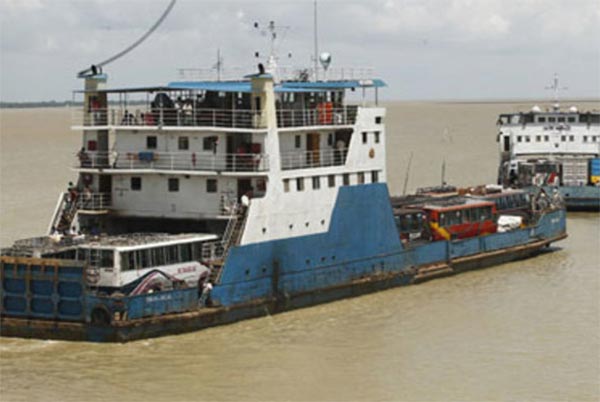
(585,198)
(360,253)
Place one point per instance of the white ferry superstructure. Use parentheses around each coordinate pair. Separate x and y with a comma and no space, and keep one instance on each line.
(553,148)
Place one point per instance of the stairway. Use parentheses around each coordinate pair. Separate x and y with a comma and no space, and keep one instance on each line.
(231,237)
(64,214)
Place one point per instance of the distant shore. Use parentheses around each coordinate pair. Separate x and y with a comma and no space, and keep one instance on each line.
(60,104)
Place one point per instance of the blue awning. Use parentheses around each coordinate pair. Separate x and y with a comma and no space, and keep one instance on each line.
(246,86)
(216,86)
(332,85)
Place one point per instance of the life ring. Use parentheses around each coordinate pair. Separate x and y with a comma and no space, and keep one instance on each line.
(371,153)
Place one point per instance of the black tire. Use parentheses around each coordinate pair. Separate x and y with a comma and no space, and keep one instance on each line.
(100,317)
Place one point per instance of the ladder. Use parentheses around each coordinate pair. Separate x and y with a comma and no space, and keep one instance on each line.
(64,214)
(231,237)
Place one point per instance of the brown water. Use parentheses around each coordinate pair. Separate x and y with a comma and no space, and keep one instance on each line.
(522,331)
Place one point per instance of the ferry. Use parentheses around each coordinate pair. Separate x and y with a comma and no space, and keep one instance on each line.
(204,202)
(557,149)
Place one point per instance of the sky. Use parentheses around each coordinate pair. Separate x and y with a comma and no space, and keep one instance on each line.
(423,49)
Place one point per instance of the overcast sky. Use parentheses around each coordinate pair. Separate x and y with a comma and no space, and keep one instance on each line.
(423,49)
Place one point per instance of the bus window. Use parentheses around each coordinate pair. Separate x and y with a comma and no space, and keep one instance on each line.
(486,213)
(158,256)
(185,252)
(142,258)
(197,251)
(416,222)
(125,261)
(170,255)
(106,258)
(132,262)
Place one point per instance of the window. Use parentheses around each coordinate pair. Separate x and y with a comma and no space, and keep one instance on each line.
(538,138)
(585,138)
(376,137)
(374,176)
(286,185)
(378,119)
(527,138)
(298,141)
(563,138)
(173,185)
(541,119)
(571,119)
(183,143)
(136,183)
(364,137)
(571,138)
(546,138)
(151,142)
(185,252)
(331,180)
(360,178)
(210,143)
(316,182)
(593,138)
(300,184)
(330,139)
(519,138)
(561,119)
(211,185)
(551,119)
(346,179)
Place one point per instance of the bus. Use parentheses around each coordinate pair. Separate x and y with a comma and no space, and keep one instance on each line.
(469,219)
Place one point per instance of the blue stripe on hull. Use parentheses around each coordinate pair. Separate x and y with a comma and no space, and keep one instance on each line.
(362,240)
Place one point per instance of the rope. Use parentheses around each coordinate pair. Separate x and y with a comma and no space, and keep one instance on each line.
(134,44)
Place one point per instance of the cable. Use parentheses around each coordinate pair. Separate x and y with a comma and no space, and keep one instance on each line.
(94,68)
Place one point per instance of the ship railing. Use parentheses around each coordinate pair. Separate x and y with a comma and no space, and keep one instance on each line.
(236,162)
(313,159)
(88,201)
(283,73)
(212,250)
(145,116)
(322,115)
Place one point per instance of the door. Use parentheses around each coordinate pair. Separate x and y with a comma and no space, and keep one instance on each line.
(244,187)
(313,144)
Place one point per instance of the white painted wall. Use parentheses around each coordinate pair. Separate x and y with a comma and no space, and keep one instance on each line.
(566,141)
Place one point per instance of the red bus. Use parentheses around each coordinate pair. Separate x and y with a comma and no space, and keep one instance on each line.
(461,221)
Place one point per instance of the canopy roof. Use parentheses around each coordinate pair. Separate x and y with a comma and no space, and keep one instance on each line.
(246,86)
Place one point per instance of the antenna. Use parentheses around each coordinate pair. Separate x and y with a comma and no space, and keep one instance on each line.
(556,88)
(219,64)
(316,55)
(97,68)
(444,172)
(271,31)
(407,173)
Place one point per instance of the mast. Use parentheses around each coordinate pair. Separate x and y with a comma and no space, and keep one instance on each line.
(556,89)
(316,55)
